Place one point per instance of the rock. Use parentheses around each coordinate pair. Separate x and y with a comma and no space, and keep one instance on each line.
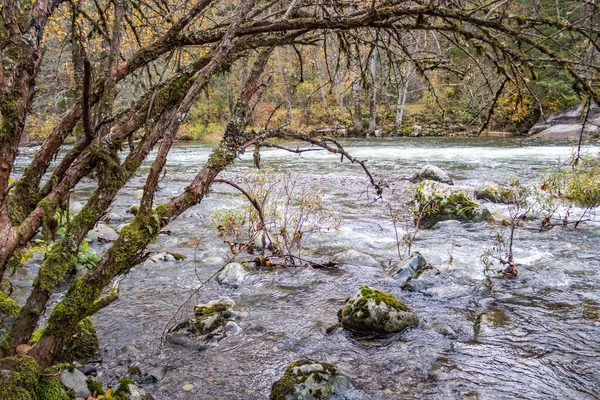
(75,207)
(138,194)
(373,311)
(489,321)
(207,327)
(443,329)
(494,193)
(213,261)
(432,173)
(435,202)
(311,380)
(568,124)
(410,268)
(112,217)
(76,381)
(103,233)
(166,256)
(378,133)
(143,375)
(356,258)
(137,393)
(188,387)
(233,274)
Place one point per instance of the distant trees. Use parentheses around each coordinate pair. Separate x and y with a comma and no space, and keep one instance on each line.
(136,70)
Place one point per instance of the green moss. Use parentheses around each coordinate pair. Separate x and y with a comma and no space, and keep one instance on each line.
(368,293)
(57,265)
(52,389)
(122,391)
(19,379)
(95,387)
(134,210)
(8,307)
(80,347)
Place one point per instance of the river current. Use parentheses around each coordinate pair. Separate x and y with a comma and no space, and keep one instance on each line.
(539,339)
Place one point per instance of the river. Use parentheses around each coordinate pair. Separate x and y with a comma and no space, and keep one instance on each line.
(539,340)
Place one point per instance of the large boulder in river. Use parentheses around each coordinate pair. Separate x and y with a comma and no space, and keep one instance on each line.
(432,173)
(568,124)
(211,323)
(356,258)
(311,380)
(494,193)
(372,311)
(435,202)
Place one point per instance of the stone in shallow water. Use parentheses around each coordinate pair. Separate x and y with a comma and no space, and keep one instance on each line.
(233,274)
(353,257)
(311,380)
(208,326)
(372,311)
(410,268)
(103,233)
(432,173)
(494,193)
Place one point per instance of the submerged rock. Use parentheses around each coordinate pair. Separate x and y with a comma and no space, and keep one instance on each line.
(432,173)
(233,274)
(494,193)
(353,257)
(211,323)
(311,380)
(373,311)
(410,268)
(488,321)
(435,202)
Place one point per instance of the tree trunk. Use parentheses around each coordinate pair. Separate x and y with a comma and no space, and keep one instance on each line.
(402,92)
(356,88)
(373,91)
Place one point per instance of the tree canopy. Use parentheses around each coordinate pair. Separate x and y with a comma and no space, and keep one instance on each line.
(133,74)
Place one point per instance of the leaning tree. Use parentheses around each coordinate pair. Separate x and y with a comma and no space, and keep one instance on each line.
(170,50)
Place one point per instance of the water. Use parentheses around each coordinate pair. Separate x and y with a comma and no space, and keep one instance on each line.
(539,339)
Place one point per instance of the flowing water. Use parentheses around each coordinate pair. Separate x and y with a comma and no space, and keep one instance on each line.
(539,336)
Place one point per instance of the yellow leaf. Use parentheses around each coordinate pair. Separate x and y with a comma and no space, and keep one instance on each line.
(108,393)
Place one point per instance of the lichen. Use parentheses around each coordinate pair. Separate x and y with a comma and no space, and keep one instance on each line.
(19,379)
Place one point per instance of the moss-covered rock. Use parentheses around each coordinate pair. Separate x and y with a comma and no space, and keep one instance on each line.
(81,347)
(311,380)
(372,311)
(211,322)
(19,376)
(494,193)
(435,202)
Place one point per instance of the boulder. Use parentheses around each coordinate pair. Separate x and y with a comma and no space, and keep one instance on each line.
(76,381)
(409,268)
(208,326)
(233,274)
(372,311)
(494,193)
(103,233)
(568,124)
(432,173)
(311,380)
(356,258)
(435,202)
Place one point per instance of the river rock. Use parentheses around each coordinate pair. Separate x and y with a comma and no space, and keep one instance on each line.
(76,381)
(494,193)
(568,124)
(435,202)
(103,233)
(311,380)
(233,274)
(410,268)
(213,261)
(432,173)
(489,321)
(373,311)
(75,207)
(207,327)
(356,258)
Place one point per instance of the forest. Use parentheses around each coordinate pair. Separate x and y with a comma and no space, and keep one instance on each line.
(290,199)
